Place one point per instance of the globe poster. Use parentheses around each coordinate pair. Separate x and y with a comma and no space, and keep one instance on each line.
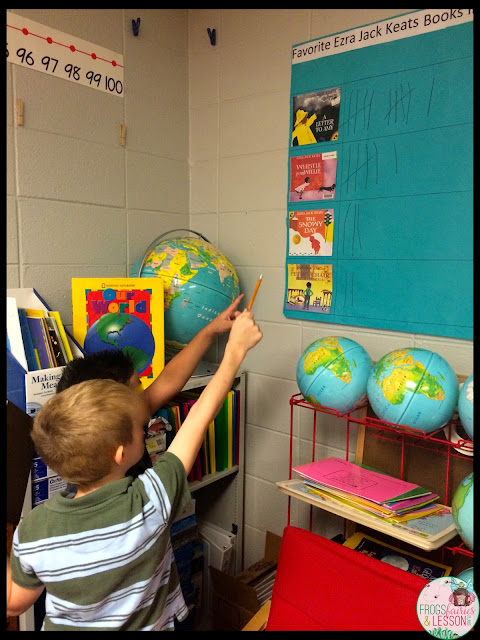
(124,314)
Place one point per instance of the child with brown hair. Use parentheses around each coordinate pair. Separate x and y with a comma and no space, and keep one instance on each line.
(103,553)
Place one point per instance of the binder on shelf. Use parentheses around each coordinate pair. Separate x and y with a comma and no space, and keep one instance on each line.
(63,335)
(32,363)
(41,342)
(220,545)
(28,298)
(230,428)
(14,333)
(221,438)
(59,354)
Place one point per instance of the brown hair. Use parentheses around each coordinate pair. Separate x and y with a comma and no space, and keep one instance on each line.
(77,432)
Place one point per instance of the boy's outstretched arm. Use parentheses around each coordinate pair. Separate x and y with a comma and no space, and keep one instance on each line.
(178,371)
(19,599)
(244,335)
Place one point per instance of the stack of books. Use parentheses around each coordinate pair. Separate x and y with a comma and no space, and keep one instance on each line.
(36,337)
(368,490)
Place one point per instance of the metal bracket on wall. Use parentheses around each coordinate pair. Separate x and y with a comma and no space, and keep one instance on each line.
(212,34)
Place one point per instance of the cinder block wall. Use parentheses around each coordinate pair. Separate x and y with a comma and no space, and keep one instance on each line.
(206,148)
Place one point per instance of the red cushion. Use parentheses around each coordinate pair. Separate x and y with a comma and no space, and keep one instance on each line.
(322,585)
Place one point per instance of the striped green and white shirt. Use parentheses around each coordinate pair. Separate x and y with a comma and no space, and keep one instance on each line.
(106,558)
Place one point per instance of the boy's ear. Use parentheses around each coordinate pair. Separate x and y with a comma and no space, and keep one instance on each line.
(119,455)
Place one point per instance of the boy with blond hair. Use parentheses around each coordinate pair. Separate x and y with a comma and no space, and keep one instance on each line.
(104,553)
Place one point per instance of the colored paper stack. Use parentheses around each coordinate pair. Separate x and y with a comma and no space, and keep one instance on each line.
(368,490)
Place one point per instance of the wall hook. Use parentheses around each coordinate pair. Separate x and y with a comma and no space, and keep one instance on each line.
(212,35)
(135,26)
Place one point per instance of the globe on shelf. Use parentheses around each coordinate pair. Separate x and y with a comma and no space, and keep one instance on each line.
(122,332)
(465,406)
(199,282)
(467,576)
(413,387)
(462,510)
(333,372)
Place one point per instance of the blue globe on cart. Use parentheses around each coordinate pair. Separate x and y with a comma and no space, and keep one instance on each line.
(122,332)
(413,387)
(333,372)
(462,510)
(465,406)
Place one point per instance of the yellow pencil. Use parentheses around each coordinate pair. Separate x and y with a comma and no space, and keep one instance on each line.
(255,292)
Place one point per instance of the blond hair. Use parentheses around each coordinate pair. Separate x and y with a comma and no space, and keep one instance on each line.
(77,432)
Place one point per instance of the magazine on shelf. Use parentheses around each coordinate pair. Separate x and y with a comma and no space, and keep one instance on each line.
(137,302)
(359,481)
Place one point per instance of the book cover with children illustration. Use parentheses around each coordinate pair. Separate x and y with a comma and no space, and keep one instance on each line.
(313,177)
(315,116)
(309,288)
(310,233)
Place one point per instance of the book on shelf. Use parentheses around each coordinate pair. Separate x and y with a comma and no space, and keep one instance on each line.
(32,361)
(14,333)
(59,353)
(230,427)
(40,339)
(221,437)
(359,481)
(62,334)
(39,387)
(427,532)
(142,298)
(382,511)
(396,557)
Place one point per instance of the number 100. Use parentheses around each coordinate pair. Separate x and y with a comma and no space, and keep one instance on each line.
(113,85)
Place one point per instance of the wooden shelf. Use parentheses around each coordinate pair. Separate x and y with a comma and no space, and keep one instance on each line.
(296,489)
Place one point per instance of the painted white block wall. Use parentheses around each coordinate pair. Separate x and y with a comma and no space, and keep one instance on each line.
(239,117)
(206,148)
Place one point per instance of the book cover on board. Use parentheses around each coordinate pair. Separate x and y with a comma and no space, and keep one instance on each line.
(310,233)
(309,288)
(315,116)
(135,299)
(313,177)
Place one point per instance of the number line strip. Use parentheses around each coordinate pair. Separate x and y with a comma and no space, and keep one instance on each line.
(72,48)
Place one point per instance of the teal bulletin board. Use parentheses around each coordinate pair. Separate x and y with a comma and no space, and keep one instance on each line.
(380,186)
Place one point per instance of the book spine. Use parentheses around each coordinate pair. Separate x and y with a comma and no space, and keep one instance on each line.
(27,341)
(39,339)
(14,333)
(56,341)
(63,335)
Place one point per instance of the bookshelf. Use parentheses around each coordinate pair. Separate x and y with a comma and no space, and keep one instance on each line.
(430,460)
(220,496)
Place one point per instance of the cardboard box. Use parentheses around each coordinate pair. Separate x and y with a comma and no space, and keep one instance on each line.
(46,488)
(235,598)
(40,470)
